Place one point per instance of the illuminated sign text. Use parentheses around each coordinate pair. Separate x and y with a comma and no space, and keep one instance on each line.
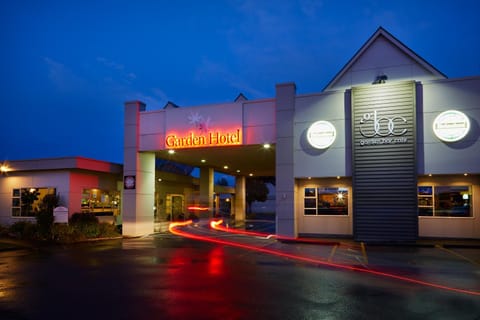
(321,134)
(382,130)
(208,139)
(451,126)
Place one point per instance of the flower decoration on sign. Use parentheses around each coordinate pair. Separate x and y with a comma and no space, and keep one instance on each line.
(199,122)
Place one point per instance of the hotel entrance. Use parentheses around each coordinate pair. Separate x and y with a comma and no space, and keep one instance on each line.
(235,139)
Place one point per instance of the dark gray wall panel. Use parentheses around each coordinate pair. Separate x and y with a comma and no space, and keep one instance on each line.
(384,162)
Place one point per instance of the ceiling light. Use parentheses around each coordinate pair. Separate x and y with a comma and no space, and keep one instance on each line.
(225,167)
(171,151)
(203,161)
(250,174)
(266,145)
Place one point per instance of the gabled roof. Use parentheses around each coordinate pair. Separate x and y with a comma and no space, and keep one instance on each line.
(381,32)
(241,97)
(169,105)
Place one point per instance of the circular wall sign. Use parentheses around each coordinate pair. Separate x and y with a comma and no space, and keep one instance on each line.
(451,126)
(321,134)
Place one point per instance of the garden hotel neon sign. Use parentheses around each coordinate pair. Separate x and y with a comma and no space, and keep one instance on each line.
(212,138)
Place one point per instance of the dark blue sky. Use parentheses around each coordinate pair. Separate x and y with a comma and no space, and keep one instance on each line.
(67,67)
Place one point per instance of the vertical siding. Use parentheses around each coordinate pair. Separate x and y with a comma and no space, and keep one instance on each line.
(384,173)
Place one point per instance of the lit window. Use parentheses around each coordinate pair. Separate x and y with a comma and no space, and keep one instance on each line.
(444,201)
(26,202)
(326,201)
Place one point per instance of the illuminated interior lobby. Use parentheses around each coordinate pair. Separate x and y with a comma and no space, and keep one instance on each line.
(387,151)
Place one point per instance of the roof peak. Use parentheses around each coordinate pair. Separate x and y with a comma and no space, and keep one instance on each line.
(382,32)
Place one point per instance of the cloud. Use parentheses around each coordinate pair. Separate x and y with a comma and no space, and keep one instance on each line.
(118,69)
(310,8)
(154,99)
(62,77)
(209,71)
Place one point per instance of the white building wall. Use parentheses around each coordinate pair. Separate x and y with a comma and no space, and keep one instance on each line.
(324,224)
(54,179)
(451,158)
(383,58)
(330,162)
(259,122)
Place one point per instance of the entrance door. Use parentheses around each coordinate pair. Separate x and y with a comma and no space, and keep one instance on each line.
(175,206)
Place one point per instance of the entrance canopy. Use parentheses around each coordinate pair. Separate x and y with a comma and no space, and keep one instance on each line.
(234,138)
(250,160)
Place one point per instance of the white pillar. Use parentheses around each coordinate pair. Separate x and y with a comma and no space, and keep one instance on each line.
(239,206)
(284,161)
(206,188)
(139,177)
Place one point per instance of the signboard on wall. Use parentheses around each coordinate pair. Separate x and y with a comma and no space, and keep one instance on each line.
(129,182)
(451,126)
(384,162)
(321,134)
(210,126)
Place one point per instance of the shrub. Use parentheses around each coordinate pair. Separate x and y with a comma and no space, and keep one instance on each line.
(3,230)
(108,230)
(86,223)
(45,220)
(24,229)
(66,234)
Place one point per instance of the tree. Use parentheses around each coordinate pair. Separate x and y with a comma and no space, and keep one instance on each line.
(222,182)
(29,196)
(44,216)
(256,190)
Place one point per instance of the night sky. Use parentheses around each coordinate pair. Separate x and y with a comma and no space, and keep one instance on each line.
(67,67)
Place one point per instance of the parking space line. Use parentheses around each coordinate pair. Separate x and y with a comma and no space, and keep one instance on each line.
(332,253)
(461,256)
(364,252)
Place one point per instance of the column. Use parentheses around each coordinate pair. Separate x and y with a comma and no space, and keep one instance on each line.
(206,188)
(239,205)
(139,177)
(284,160)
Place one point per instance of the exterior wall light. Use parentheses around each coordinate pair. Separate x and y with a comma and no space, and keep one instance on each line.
(380,79)
(171,151)
(266,146)
(4,168)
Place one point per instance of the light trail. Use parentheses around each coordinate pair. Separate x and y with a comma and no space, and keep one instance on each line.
(173,228)
(197,208)
(217,225)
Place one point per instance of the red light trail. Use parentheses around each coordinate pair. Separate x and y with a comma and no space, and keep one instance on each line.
(173,227)
(196,208)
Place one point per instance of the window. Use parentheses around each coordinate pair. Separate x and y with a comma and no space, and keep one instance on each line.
(444,201)
(100,201)
(326,201)
(26,202)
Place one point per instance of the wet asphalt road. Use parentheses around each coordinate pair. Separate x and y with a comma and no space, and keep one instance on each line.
(169,277)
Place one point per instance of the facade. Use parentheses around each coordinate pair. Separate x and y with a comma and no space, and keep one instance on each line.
(388,151)
(81,185)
